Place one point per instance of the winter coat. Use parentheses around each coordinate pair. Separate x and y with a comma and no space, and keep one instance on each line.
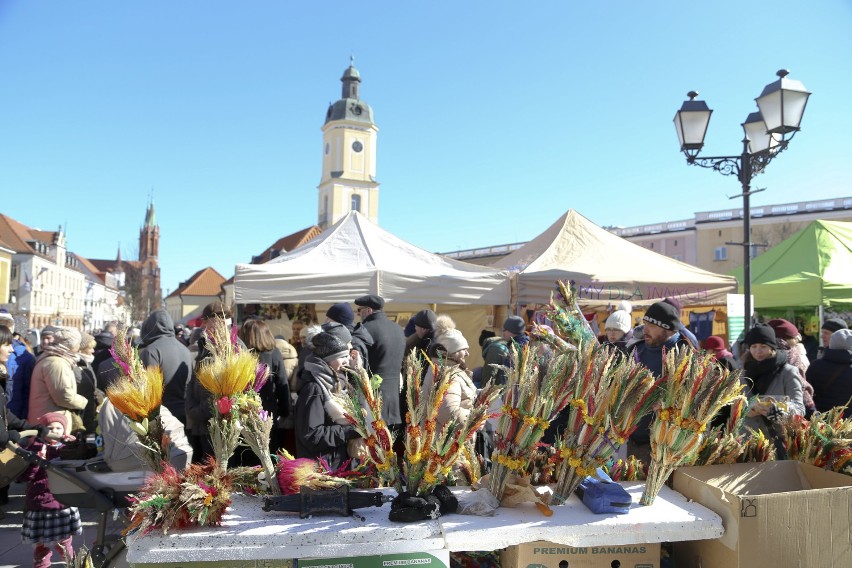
(162,349)
(20,378)
(800,361)
(497,357)
(776,378)
(275,393)
(8,419)
(621,344)
(652,358)
(121,445)
(290,357)
(384,358)
(831,377)
(461,394)
(54,388)
(39,496)
(86,388)
(418,344)
(362,342)
(318,434)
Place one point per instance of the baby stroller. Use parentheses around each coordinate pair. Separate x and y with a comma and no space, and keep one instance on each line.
(90,484)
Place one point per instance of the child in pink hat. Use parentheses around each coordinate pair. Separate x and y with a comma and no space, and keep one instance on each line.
(48,524)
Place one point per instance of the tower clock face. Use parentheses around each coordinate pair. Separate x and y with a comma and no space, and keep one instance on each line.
(357,146)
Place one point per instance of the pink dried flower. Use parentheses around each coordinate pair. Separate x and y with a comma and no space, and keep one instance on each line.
(224,405)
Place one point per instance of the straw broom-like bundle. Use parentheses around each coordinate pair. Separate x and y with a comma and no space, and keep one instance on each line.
(138,395)
(612,394)
(257,424)
(630,469)
(757,448)
(725,444)
(362,408)
(536,391)
(564,312)
(227,374)
(694,390)
(819,441)
(431,452)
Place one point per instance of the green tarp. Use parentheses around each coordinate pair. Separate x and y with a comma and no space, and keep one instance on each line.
(811,268)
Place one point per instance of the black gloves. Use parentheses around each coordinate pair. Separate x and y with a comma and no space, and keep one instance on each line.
(448,501)
(42,431)
(406,508)
(14,436)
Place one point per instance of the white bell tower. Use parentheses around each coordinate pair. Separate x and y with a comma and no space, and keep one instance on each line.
(348,179)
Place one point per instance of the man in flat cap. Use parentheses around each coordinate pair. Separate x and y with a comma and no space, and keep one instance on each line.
(384,356)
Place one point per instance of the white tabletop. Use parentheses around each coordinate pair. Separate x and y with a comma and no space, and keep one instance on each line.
(670,519)
(249,533)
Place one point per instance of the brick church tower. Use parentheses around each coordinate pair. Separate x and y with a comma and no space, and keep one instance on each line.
(149,268)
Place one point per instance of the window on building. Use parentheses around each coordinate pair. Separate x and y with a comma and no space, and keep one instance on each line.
(356,202)
(721,253)
(675,242)
(652,246)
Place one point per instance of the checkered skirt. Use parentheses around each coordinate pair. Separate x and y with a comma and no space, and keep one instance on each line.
(51,526)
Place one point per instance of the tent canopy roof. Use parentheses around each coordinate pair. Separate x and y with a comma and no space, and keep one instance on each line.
(356,257)
(607,268)
(811,268)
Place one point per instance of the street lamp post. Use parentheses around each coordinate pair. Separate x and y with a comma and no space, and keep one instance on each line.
(767,134)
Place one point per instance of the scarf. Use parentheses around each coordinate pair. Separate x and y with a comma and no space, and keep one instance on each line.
(59,350)
(329,383)
(763,372)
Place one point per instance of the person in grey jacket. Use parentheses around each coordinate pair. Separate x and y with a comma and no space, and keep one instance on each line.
(767,374)
(162,349)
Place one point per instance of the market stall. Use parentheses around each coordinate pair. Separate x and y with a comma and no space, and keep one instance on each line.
(249,533)
(606,269)
(356,257)
(809,269)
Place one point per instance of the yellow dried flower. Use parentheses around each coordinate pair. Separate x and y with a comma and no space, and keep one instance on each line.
(138,397)
(228,376)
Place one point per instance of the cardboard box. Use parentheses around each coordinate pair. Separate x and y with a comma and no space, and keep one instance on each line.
(551,555)
(783,513)
(430,559)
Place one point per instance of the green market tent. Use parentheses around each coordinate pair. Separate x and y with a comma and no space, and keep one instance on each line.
(811,268)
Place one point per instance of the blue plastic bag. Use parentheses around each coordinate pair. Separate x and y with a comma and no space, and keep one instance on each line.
(603,496)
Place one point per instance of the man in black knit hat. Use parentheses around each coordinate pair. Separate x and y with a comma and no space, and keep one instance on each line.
(660,336)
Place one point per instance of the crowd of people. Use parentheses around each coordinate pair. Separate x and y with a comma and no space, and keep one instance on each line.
(59,383)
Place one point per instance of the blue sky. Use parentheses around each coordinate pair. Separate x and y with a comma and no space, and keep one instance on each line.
(495,117)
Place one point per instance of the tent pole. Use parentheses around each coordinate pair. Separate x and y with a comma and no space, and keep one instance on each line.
(820,315)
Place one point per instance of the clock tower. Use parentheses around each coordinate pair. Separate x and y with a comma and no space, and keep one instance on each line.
(348,181)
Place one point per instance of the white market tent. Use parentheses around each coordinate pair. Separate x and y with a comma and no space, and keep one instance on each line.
(606,269)
(356,257)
